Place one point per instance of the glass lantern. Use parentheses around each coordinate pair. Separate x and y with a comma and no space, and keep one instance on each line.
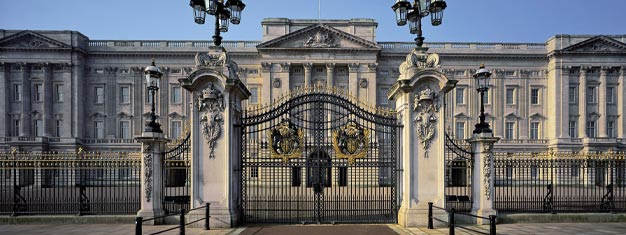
(235,6)
(401,9)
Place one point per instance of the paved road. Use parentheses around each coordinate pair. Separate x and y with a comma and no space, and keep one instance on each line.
(128,229)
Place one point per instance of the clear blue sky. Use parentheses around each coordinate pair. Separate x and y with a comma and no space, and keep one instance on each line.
(464,20)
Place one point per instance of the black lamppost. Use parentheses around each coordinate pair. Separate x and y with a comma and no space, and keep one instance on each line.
(153,77)
(482,85)
(231,11)
(415,12)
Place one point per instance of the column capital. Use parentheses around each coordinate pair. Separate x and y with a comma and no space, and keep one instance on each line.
(266,66)
(583,70)
(307,66)
(353,67)
(604,70)
(285,66)
(372,67)
(330,66)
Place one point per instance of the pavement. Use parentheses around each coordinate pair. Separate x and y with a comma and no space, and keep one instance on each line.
(128,229)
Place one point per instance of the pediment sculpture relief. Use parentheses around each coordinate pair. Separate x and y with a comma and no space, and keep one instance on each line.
(426,107)
(211,105)
(320,40)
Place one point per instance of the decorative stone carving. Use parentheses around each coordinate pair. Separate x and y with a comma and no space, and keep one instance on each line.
(276,83)
(351,142)
(354,67)
(363,83)
(372,67)
(284,67)
(486,148)
(426,106)
(418,58)
(211,105)
(147,159)
(211,59)
(266,66)
(320,40)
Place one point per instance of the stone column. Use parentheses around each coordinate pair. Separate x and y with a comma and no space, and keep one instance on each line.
(483,175)
(353,79)
(5,101)
(307,74)
(369,92)
(48,98)
(602,121)
(215,138)
(152,148)
(266,90)
(281,83)
(582,103)
(621,104)
(330,72)
(419,103)
(26,102)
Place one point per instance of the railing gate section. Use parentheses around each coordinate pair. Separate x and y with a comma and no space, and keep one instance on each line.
(319,155)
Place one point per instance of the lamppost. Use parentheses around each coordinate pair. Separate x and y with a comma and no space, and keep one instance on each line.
(482,85)
(222,12)
(153,77)
(415,12)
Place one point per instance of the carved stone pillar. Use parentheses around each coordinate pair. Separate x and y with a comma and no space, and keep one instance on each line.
(602,121)
(582,103)
(152,148)
(307,74)
(621,103)
(330,73)
(353,76)
(26,102)
(418,96)
(483,175)
(216,153)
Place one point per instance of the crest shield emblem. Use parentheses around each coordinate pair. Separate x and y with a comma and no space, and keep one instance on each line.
(285,141)
(351,142)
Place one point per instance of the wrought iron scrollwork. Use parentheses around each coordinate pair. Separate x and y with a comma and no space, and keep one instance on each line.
(285,141)
(350,142)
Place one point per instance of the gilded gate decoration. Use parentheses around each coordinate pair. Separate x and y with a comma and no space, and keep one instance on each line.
(351,142)
(285,141)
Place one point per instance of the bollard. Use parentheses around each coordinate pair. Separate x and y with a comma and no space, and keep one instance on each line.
(138,222)
(207,226)
(451,221)
(430,215)
(492,225)
(182,222)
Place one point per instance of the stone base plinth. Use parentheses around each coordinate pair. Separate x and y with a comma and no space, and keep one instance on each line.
(151,214)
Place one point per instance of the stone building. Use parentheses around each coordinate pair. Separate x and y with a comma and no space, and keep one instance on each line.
(62,90)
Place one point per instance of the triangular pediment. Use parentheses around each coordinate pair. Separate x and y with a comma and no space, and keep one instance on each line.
(511,116)
(461,115)
(598,44)
(31,40)
(537,116)
(319,36)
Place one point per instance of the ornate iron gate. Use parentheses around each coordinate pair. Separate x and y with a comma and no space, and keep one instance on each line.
(319,156)
(458,168)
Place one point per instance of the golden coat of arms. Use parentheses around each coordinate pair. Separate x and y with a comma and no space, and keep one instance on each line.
(351,142)
(285,141)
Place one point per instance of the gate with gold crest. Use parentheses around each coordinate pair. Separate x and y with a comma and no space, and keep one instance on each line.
(318,155)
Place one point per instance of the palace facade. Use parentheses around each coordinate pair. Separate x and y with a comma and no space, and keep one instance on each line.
(62,90)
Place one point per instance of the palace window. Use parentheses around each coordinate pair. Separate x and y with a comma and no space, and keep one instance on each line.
(99,129)
(573,133)
(573,95)
(591,129)
(510,96)
(534,130)
(38,92)
(176,95)
(254,97)
(59,92)
(125,129)
(38,127)
(17,124)
(59,128)
(17,92)
(534,96)
(592,96)
(459,130)
(610,129)
(610,95)
(175,130)
(509,130)
(99,95)
(460,95)
(125,95)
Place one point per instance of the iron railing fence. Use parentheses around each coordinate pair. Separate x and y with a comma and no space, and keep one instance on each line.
(177,176)
(458,183)
(69,183)
(560,182)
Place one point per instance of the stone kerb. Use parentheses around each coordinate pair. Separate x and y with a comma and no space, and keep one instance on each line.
(419,95)
(217,94)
